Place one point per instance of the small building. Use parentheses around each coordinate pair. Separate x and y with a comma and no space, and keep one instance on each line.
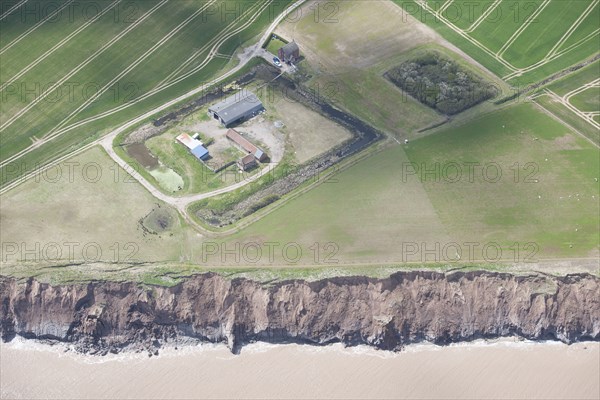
(289,53)
(200,152)
(237,108)
(245,145)
(195,146)
(247,162)
(188,141)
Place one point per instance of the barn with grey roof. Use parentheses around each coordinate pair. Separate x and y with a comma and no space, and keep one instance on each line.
(237,108)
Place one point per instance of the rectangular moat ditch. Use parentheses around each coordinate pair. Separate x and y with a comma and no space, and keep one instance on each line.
(285,178)
(288,178)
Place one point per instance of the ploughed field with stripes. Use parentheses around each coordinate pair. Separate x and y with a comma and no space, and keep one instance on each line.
(73,70)
(522,41)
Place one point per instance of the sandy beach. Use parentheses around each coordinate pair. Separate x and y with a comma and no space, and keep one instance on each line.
(506,369)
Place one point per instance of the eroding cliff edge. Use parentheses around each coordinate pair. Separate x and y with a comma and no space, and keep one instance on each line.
(388,313)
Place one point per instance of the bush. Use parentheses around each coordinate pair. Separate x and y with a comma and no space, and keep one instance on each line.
(441,83)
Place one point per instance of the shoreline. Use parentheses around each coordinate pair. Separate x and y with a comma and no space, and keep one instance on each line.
(505,368)
(193,347)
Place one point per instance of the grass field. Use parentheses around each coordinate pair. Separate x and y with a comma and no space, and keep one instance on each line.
(522,41)
(88,201)
(532,192)
(119,65)
(543,205)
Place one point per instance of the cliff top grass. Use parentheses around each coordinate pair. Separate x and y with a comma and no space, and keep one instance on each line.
(162,274)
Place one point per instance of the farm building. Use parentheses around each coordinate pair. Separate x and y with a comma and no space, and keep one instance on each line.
(247,162)
(289,53)
(195,146)
(200,152)
(237,108)
(245,145)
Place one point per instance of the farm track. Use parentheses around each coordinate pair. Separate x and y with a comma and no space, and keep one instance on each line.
(566,101)
(78,68)
(35,27)
(13,8)
(245,57)
(131,66)
(218,41)
(552,55)
(57,46)
(483,16)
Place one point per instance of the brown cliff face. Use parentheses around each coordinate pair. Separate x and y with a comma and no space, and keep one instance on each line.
(385,313)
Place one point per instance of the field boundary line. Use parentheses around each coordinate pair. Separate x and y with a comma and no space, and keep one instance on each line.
(33,28)
(518,32)
(133,65)
(164,106)
(557,118)
(543,62)
(215,48)
(209,58)
(483,16)
(91,58)
(588,116)
(445,6)
(201,50)
(129,104)
(13,8)
(57,46)
(579,42)
(466,36)
(573,28)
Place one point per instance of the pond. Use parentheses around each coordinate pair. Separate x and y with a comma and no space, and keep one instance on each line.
(168,179)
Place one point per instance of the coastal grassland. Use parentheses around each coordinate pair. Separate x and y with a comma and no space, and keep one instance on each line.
(93,204)
(347,56)
(133,92)
(170,274)
(362,214)
(540,44)
(534,183)
(552,201)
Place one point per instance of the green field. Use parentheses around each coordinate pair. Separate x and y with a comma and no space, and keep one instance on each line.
(521,178)
(274,45)
(587,101)
(88,202)
(544,201)
(576,80)
(547,193)
(523,41)
(114,81)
